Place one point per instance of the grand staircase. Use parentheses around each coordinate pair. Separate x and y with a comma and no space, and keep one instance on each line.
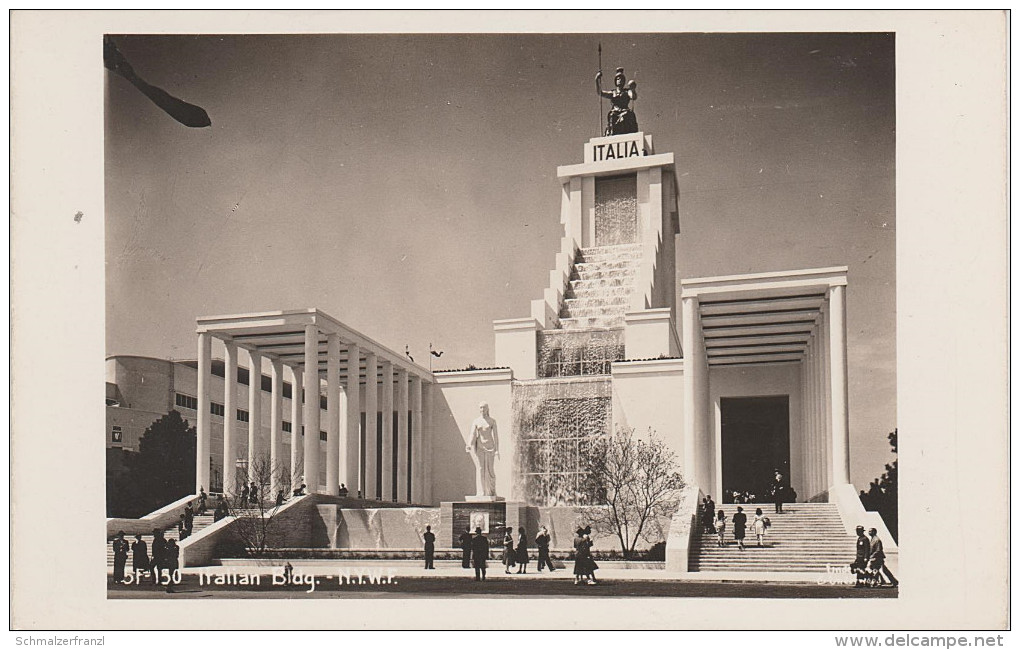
(600,287)
(171,533)
(807,537)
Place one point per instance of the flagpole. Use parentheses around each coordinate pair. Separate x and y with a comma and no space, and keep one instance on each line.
(598,131)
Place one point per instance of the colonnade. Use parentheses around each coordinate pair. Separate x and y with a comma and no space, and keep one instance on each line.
(381,455)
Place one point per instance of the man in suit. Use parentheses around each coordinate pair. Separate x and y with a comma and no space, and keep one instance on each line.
(189,517)
(479,553)
(120,555)
(860,565)
(158,554)
(430,547)
(878,559)
(709,514)
(465,547)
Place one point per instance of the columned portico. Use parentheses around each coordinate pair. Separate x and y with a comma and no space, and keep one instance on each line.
(778,336)
(325,358)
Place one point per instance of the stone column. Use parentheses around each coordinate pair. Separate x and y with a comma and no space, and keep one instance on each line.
(332,414)
(371,426)
(387,432)
(230,418)
(416,443)
(402,436)
(276,462)
(203,439)
(426,442)
(838,378)
(825,389)
(352,426)
(689,308)
(256,450)
(312,414)
(297,443)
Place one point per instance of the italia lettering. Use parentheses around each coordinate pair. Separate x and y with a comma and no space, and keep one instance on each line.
(616,150)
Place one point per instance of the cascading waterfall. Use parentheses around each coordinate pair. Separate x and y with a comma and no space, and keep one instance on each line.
(552,421)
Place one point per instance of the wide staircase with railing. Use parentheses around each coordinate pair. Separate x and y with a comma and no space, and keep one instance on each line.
(200,522)
(806,537)
(600,287)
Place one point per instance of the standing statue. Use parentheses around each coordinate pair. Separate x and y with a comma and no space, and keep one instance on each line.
(483,445)
(621,117)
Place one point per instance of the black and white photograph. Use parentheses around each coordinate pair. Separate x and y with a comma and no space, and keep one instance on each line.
(608,315)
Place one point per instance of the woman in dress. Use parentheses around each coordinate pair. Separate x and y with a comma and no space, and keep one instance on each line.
(758,526)
(508,550)
(581,556)
(720,528)
(590,564)
(522,552)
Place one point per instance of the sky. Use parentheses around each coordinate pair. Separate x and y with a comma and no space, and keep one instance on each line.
(406,184)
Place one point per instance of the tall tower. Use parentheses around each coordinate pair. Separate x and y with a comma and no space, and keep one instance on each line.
(612,293)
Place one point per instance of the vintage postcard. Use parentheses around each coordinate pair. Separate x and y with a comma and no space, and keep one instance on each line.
(615,308)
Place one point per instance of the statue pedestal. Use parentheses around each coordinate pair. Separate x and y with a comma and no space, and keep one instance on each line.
(491,514)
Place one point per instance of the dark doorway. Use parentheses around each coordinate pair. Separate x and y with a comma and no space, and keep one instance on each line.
(755,443)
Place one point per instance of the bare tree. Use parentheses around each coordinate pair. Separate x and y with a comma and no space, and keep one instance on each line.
(634,483)
(254,515)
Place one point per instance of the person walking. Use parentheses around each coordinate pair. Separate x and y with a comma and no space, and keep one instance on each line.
(182,528)
(221,510)
(590,564)
(253,493)
(739,527)
(709,514)
(120,555)
(202,500)
(279,498)
(465,548)
(139,556)
(758,526)
(173,556)
(860,563)
(508,550)
(158,561)
(244,495)
(542,541)
(522,551)
(877,560)
(479,553)
(189,517)
(720,527)
(430,547)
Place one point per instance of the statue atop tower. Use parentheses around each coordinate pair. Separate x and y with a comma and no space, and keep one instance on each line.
(621,117)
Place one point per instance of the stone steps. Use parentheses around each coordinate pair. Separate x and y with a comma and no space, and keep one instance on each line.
(805,537)
(171,533)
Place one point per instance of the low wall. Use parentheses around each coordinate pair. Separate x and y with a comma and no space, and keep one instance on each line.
(380,528)
(291,523)
(853,514)
(563,521)
(682,530)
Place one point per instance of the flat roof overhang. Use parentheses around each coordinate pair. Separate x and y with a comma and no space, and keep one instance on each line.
(761,318)
(281,335)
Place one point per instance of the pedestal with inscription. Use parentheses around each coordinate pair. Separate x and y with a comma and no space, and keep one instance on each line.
(492,514)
